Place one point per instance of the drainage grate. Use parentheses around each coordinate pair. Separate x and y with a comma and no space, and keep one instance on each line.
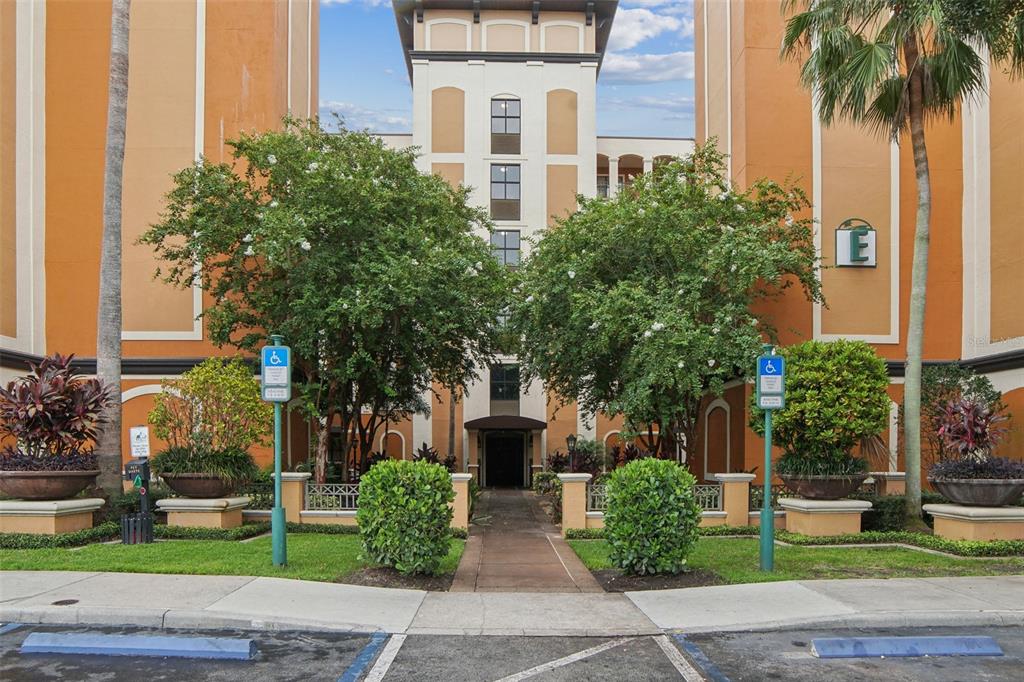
(64,602)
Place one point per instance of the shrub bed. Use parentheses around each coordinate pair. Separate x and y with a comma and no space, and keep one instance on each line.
(403,515)
(966,548)
(706,531)
(100,533)
(652,516)
(886,513)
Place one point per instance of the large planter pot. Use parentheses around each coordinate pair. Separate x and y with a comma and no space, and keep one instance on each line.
(823,487)
(46,485)
(198,485)
(980,492)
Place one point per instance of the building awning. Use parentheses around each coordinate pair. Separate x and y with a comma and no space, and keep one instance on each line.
(505,422)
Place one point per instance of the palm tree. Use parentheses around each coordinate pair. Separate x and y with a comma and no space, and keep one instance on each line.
(108,319)
(890,65)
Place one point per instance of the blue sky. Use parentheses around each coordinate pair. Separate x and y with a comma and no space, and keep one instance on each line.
(645,86)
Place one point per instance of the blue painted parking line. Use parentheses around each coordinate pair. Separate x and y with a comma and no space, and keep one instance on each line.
(139,645)
(709,669)
(896,647)
(364,659)
(4,629)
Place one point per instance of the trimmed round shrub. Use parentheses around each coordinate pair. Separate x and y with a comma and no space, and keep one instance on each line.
(404,516)
(652,516)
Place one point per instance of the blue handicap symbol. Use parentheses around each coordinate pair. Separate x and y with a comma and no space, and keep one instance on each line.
(772,366)
(275,357)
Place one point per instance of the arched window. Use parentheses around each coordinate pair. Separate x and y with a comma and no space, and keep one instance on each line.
(506,115)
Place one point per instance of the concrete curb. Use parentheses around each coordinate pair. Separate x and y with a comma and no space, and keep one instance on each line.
(166,618)
(888,619)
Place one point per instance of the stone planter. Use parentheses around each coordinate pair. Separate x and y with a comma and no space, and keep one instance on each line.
(980,492)
(45,485)
(200,486)
(823,487)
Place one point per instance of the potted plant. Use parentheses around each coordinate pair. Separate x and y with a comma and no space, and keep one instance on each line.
(210,417)
(970,429)
(836,399)
(52,416)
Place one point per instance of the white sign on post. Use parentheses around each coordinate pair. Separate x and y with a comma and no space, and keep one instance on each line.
(139,437)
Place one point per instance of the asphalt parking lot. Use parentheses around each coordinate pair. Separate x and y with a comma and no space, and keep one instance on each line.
(310,656)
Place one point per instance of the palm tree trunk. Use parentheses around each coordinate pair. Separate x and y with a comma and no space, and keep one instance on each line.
(451,421)
(918,282)
(108,322)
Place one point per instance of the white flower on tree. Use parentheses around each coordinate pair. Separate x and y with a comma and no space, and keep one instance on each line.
(271,159)
(305,245)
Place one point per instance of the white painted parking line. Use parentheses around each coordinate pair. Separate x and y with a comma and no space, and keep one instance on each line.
(688,672)
(387,657)
(566,660)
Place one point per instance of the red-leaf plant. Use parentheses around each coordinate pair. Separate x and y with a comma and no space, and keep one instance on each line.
(970,428)
(52,412)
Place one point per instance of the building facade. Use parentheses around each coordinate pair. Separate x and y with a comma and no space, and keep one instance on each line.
(752,103)
(201,71)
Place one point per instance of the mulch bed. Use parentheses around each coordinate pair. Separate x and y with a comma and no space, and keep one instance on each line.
(382,576)
(613,580)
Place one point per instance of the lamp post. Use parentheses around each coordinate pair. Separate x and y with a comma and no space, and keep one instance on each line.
(570,442)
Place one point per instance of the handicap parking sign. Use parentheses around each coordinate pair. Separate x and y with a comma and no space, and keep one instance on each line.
(771,382)
(276,373)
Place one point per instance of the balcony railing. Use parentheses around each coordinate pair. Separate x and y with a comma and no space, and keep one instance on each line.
(708,496)
(332,496)
(757,496)
(260,494)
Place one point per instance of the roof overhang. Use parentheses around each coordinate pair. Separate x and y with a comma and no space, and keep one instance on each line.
(602,11)
(505,422)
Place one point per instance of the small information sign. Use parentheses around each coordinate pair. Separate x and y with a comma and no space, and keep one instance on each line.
(771,382)
(139,437)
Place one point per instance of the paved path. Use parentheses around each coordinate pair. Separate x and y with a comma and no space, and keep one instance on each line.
(200,601)
(515,548)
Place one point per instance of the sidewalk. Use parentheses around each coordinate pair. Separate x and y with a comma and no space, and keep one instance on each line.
(185,601)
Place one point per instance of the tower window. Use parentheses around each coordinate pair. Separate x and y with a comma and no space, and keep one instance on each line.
(505,192)
(505,382)
(505,247)
(505,126)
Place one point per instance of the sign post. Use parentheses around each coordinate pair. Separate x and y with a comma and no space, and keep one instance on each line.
(770,391)
(138,528)
(276,387)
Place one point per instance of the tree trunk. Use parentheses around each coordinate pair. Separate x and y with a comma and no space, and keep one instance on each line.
(452,399)
(108,319)
(323,443)
(919,278)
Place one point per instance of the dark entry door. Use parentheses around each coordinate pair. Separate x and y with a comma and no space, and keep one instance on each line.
(504,460)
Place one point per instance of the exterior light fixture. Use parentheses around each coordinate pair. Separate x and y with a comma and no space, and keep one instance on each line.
(570,442)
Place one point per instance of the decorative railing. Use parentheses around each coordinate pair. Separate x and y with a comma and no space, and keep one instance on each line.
(260,494)
(708,496)
(869,486)
(332,496)
(757,496)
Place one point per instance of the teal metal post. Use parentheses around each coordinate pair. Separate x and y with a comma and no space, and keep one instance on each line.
(767,513)
(277,516)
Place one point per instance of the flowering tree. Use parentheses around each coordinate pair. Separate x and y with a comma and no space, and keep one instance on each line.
(370,269)
(642,305)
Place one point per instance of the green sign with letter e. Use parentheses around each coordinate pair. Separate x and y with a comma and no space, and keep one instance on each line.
(855,244)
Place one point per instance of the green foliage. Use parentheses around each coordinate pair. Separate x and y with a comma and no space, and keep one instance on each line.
(234,466)
(546,483)
(128,503)
(322,528)
(702,531)
(941,385)
(887,511)
(652,516)
(404,516)
(806,464)
(642,304)
(584,533)
(100,533)
(835,398)
(243,532)
(378,275)
(216,405)
(968,548)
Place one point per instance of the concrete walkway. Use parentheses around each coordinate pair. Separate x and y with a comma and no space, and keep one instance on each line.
(181,601)
(514,548)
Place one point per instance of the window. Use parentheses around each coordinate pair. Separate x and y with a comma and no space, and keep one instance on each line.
(602,186)
(505,382)
(504,192)
(505,126)
(505,247)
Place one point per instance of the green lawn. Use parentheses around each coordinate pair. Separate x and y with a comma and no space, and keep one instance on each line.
(310,557)
(736,561)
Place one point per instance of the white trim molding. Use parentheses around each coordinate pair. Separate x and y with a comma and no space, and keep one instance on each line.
(136,391)
(716,404)
(461,22)
(382,441)
(525,25)
(573,24)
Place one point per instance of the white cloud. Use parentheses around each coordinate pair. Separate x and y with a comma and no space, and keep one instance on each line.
(672,107)
(680,11)
(647,68)
(634,26)
(357,117)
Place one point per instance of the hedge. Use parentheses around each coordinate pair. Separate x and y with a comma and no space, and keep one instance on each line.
(705,531)
(886,513)
(105,531)
(965,548)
